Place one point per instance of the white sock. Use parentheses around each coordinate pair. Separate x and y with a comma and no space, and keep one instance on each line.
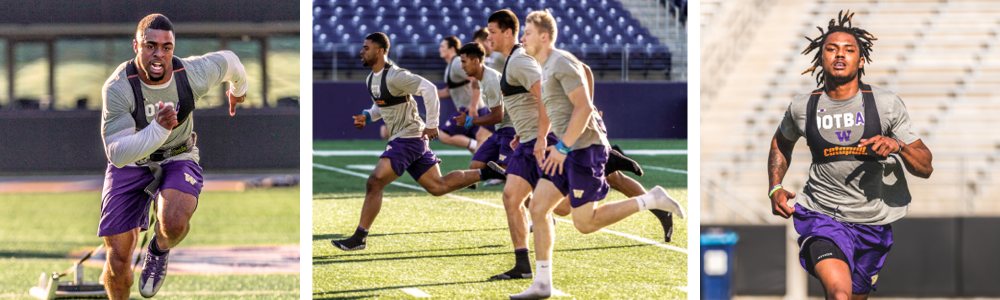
(544,270)
(472,144)
(541,287)
(642,200)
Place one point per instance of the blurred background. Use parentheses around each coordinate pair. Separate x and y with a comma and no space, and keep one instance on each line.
(940,56)
(55,56)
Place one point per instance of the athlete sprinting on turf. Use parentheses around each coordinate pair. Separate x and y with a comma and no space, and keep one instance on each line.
(574,167)
(464,93)
(493,59)
(408,150)
(856,133)
(147,127)
(496,148)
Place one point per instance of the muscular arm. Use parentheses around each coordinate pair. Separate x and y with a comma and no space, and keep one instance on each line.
(444,93)
(474,105)
(917,159)
(495,116)
(590,80)
(543,119)
(431,103)
(122,144)
(778,158)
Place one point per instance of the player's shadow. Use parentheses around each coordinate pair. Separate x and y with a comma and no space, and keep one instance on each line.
(326,261)
(333,294)
(404,252)
(340,236)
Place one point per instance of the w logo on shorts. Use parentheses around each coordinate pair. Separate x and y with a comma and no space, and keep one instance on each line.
(387,147)
(577,193)
(874,279)
(190,179)
(503,157)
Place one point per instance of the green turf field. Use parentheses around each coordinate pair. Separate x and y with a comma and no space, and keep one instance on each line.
(447,247)
(39,231)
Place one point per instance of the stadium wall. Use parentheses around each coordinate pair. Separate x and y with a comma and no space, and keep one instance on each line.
(129,11)
(632,110)
(70,141)
(930,257)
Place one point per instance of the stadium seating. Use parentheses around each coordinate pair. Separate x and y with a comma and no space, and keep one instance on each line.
(940,57)
(601,32)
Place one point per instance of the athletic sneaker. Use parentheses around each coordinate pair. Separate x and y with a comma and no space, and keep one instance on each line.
(617,161)
(667,221)
(493,171)
(515,273)
(154,271)
(493,182)
(350,244)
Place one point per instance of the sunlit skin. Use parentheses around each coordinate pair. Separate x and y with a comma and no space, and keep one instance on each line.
(841,62)
(486,45)
(446,52)
(154,50)
(502,41)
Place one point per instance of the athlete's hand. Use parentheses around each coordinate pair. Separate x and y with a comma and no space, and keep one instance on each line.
(779,203)
(882,145)
(460,119)
(359,121)
(233,100)
(540,150)
(554,161)
(430,134)
(474,113)
(166,116)
(515,142)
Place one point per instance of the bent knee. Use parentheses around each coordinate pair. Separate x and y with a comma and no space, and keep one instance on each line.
(585,228)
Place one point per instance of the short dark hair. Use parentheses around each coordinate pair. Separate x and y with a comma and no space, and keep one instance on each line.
(481,34)
(473,50)
(153,21)
(453,42)
(505,19)
(379,38)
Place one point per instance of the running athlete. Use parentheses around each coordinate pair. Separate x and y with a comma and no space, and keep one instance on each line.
(464,92)
(493,59)
(497,146)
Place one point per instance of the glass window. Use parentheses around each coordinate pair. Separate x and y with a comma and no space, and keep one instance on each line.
(4,92)
(81,68)
(195,47)
(249,53)
(282,68)
(31,72)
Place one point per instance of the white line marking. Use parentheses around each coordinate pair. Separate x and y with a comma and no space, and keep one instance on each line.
(654,168)
(633,237)
(415,292)
(202,293)
(682,288)
(690,289)
(362,167)
(449,152)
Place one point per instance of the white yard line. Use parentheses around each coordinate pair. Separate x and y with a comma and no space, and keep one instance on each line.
(415,292)
(665,169)
(629,236)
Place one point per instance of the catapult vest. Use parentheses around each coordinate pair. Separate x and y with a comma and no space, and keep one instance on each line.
(824,151)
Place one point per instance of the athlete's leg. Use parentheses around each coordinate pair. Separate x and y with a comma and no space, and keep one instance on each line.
(482,134)
(514,194)
(382,176)
(563,208)
(835,276)
(384,132)
(626,185)
(117,274)
(457,140)
(438,185)
(173,213)
(590,216)
(476,165)
(546,197)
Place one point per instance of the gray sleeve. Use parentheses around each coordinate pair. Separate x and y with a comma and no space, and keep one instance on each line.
(122,145)
(457,73)
(569,74)
(524,71)
(403,82)
(211,69)
(490,87)
(789,128)
(900,126)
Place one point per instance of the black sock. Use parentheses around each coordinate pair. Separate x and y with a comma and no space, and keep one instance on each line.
(154,248)
(360,234)
(521,259)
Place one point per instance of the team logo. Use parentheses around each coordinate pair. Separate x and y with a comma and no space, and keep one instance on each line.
(387,147)
(376,90)
(190,179)
(874,279)
(151,108)
(503,157)
(577,193)
(447,123)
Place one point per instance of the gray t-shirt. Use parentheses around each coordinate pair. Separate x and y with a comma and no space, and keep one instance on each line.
(489,89)
(461,96)
(203,72)
(860,192)
(495,60)
(402,120)
(523,70)
(562,73)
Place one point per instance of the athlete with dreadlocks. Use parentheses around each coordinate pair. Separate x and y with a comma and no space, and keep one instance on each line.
(857,134)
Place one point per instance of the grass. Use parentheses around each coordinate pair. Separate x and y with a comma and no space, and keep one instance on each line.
(447,247)
(39,231)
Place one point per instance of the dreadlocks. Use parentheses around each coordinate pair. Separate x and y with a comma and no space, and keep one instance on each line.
(863,37)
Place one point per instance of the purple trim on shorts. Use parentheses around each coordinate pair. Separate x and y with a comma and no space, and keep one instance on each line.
(865,246)
(412,155)
(583,178)
(494,148)
(124,204)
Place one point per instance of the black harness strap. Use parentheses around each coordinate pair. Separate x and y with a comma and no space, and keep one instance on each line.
(447,76)
(825,151)
(385,98)
(505,88)
(184,93)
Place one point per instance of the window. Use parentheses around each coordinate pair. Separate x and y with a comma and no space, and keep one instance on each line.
(282,68)
(31,72)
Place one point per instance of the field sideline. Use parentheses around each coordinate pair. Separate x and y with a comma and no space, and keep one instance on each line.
(447,246)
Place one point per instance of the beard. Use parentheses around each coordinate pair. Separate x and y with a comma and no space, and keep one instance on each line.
(842,79)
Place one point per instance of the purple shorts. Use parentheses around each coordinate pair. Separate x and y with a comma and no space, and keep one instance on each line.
(125,204)
(583,174)
(412,155)
(865,246)
(452,128)
(496,148)
(523,164)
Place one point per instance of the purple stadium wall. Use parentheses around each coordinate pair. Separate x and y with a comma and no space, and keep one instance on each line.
(639,110)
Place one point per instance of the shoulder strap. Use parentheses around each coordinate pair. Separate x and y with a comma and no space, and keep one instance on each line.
(185,94)
(139,110)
